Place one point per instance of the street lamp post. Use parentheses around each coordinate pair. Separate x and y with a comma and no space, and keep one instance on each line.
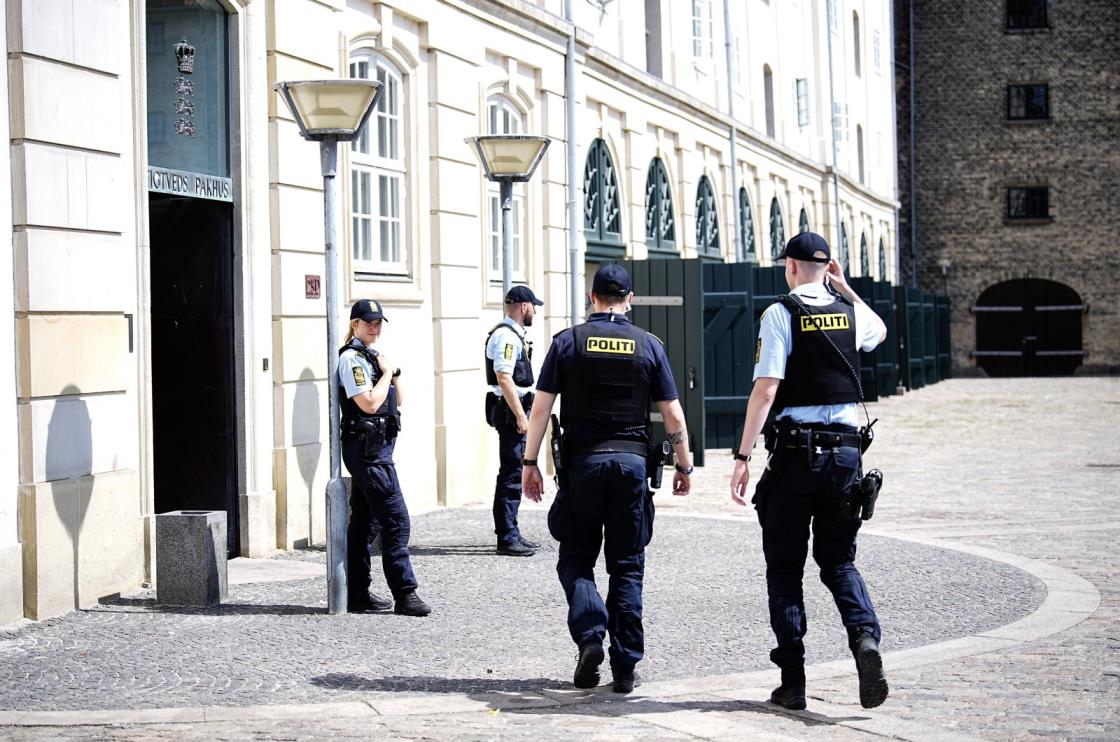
(508,159)
(329,112)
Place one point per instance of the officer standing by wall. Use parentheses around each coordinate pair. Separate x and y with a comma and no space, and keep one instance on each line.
(371,395)
(809,388)
(509,372)
(606,372)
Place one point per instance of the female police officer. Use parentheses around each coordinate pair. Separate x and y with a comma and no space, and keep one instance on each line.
(371,394)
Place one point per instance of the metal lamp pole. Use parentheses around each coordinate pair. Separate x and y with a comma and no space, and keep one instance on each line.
(505,197)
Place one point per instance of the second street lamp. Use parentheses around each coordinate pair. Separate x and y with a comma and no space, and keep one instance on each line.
(329,112)
(508,159)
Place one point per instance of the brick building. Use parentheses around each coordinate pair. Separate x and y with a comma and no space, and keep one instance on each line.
(1014,169)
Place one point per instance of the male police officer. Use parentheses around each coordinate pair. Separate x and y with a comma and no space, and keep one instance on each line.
(607,371)
(815,463)
(509,372)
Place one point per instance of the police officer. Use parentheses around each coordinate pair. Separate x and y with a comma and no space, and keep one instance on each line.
(606,372)
(371,394)
(807,386)
(509,372)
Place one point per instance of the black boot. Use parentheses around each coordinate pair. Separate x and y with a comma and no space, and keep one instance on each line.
(791,693)
(869,664)
(587,665)
(409,604)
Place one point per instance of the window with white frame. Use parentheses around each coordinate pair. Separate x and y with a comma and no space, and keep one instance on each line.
(502,117)
(801,88)
(377,168)
(701,29)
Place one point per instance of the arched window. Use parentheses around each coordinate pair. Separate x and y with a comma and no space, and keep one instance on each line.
(502,117)
(661,224)
(377,168)
(602,220)
(882,261)
(777,230)
(803,222)
(842,257)
(864,257)
(746,228)
(707,219)
(855,43)
(768,91)
(859,150)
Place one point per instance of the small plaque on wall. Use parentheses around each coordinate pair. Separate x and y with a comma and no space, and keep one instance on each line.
(311,286)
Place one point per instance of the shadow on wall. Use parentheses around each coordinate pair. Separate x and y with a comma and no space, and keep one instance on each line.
(69,461)
(306,414)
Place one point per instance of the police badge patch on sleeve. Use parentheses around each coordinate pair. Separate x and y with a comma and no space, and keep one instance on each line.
(359,375)
(508,352)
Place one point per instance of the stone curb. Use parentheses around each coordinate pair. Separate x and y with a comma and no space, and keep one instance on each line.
(1070,599)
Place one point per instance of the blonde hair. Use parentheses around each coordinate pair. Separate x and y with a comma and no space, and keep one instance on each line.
(349,333)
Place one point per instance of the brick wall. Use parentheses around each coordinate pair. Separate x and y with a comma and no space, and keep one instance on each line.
(967,153)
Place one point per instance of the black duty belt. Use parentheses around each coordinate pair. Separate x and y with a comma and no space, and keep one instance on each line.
(796,436)
(611,447)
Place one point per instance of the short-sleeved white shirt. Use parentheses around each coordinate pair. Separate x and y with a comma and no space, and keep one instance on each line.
(775,342)
(505,348)
(354,371)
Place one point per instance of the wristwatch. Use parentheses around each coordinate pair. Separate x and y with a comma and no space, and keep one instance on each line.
(528,462)
(687,472)
(740,456)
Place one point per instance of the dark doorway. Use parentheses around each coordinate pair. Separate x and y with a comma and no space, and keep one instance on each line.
(193,403)
(1029,327)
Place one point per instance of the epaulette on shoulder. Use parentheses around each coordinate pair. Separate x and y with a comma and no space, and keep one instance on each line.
(655,337)
(560,332)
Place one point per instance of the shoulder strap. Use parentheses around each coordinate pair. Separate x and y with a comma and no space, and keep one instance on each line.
(797,308)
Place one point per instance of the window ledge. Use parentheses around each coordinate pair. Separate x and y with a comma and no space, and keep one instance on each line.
(1028,221)
(1030,30)
(1029,122)
(383,277)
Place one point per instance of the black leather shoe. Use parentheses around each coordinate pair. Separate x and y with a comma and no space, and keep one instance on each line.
(409,604)
(529,544)
(873,688)
(366,603)
(625,682)
(516,549)
(791,693)
(587,665)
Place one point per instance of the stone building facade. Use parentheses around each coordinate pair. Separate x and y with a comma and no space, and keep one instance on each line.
(167,240)
(1016,106)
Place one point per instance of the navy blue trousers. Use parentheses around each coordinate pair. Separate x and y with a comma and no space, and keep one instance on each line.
(798,494)
(376,507)
(604,502)
(507,486)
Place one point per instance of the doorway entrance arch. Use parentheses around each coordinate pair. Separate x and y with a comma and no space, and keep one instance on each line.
(1029,327)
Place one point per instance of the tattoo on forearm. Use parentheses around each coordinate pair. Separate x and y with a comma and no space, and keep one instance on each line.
(677,437)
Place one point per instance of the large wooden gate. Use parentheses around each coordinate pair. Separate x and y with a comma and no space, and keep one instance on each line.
(1028,327)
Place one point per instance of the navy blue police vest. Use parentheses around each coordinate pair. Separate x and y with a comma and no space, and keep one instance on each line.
(607,388)
(522,369)
(349,407)
(815,372)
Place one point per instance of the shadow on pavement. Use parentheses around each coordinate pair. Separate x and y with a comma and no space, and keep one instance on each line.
(225,609)
(454,550)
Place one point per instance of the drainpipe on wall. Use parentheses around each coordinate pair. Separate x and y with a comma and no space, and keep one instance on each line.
(832,104)
(576,288)
(894,137)
(734,128)
(913,176)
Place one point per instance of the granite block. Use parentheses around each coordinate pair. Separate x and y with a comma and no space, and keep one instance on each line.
(191,557)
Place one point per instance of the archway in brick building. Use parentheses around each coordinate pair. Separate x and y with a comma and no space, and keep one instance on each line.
(1028,327)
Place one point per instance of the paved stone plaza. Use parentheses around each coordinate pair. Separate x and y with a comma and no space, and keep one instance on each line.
(992,559)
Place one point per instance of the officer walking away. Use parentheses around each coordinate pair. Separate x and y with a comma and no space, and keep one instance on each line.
(806,382)
(606,371)
(509,372)
(372,395)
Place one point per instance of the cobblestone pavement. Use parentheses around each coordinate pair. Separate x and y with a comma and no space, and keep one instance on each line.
(1026,467)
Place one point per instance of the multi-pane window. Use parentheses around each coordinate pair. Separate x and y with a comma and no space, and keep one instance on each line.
(1028,202)
(801,90)
(842,255)
(1026,14)
(502,117)
(661,224)
(746,228)
(777,229)
(1025,102)
(803,222)
(702,29)
(882,261)
(864,257)
(707,219)
(377,168)
(602,218)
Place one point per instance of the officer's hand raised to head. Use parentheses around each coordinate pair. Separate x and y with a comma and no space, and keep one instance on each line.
(532,486)
(740,475)
(835,275)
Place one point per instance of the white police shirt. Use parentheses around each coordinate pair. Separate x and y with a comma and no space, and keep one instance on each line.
(775,343)
(354,371)
(504,348)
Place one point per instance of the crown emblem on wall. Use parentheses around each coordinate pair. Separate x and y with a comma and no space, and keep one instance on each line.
(184,53)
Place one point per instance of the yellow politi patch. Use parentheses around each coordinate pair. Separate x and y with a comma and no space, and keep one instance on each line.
(611,345)
(824,322)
